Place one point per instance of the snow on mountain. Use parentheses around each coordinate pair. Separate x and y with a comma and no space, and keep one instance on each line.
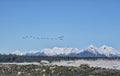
(91,51)
(59,51)
(30,53)
(103,51)
(17,53)
(108,51)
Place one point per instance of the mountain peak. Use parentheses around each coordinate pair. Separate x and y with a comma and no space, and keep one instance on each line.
(92,49)
(108,50)
(105,47)
(59,51)
(91,46)
(17,52)
(103,51)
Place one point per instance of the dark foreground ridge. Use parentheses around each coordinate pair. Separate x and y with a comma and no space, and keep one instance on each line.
(37,70)
(51,70)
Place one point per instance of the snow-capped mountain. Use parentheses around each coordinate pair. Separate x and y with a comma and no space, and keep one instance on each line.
(91,51)
(59,51)
(17,53)
(54,52)
(31,53)
(103,51)
(108,51)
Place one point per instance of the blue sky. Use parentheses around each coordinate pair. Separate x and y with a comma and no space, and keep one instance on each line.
(81,22)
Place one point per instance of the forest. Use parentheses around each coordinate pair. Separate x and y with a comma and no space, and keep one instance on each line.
(17,58)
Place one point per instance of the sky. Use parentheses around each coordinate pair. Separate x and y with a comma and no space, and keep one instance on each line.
(81,22)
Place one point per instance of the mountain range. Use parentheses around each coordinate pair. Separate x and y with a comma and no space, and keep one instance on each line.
(90,51)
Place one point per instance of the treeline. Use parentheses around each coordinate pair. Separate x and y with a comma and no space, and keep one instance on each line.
(16,58)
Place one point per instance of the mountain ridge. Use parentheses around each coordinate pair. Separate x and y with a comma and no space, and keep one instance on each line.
(90,51)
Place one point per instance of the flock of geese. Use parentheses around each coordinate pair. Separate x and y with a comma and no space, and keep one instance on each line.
(43,38)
